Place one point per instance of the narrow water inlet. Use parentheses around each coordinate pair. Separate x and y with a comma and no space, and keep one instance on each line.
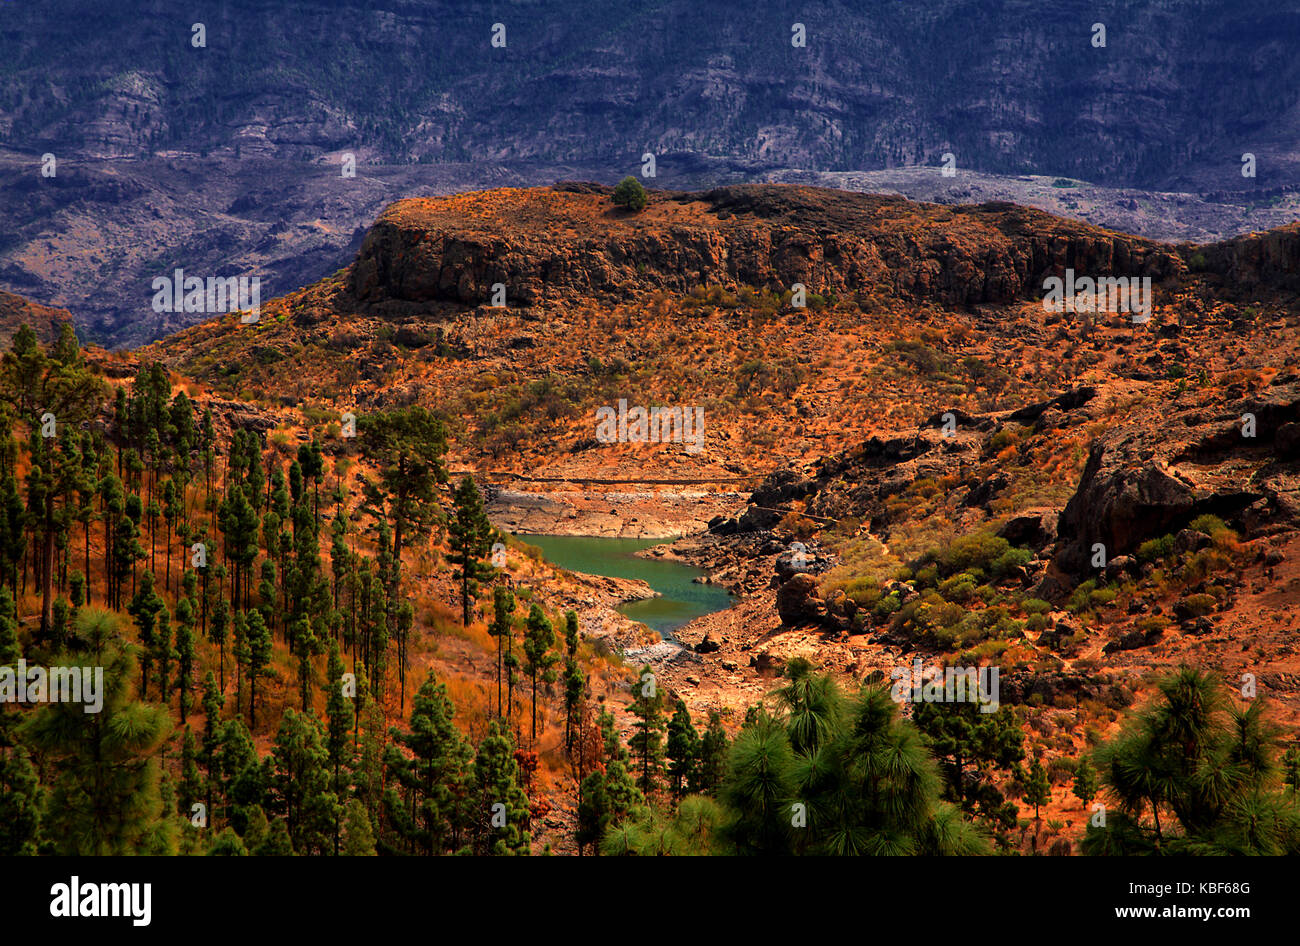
(681,598)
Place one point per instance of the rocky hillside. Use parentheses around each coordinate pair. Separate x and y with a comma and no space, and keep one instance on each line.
(911,309)
(569,241)
(874,86)
(16,311)
(1128,525)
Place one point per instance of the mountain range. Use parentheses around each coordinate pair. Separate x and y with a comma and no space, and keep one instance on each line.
(227,157)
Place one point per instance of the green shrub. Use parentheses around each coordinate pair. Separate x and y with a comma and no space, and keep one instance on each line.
(1155,549)
(1009,561)
(1208,524)
(927,576)
(1151,623)
(959,588)
(1197,605)
(864,592)
(886,606)
(973,551)
(1001,440)
(1088,596)
(1101,596)
(630,195)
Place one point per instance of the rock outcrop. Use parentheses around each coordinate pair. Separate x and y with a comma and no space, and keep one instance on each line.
(1144,481)
(541,246)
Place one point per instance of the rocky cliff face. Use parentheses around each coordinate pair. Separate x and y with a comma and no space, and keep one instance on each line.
(1007,86)
(1258,259)
(542,246)
(1149,478)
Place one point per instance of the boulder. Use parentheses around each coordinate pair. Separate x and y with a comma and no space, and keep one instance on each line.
(723,525)
(1119,567)
(708,645)
(1033,529)
(793,562)
(1190,540)
(797,601)
(1132,640)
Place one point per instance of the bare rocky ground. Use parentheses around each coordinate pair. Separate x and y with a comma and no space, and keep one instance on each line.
(620,512)
(1171,216)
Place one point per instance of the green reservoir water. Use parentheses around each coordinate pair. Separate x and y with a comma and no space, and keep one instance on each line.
(681,599)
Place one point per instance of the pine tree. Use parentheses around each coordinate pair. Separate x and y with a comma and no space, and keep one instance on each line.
(404,621)
(10,647)
(501,816)
(304,644)
(435,779)
(340,554)
(41,506)
(163,652)
(144,610)
(185,655)
(210,747)
(575,681)
(170,519)
(278,843)
(538,659)
(337,713)
(20,801)
(1158,766)
(13,528)
(683,750)
(593,812)
(312,462)
(1290,769)
(469,537)
(217,634)
(358,837)
(575,687)
(369,775)
(20,792)
(713,757)
(113,503)
(227,844)
(1038,790)
(85,512)
(647,738)
(105,799)
(625,799)
(1085,781)
(127,550)
(612,746)
(259,656)
(191,786)
(407,447)
(238,521)
(502,628)
(302,790)
(962,734)
(868,788)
